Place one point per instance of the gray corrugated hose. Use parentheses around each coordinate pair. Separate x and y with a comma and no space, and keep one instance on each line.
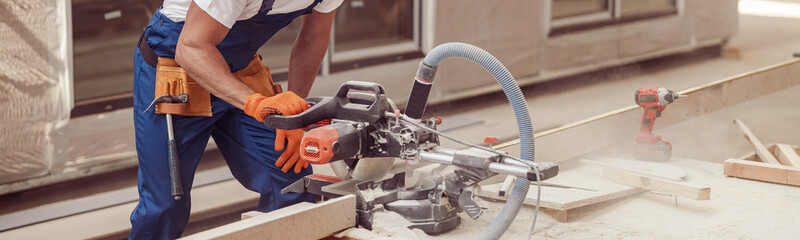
(425,78)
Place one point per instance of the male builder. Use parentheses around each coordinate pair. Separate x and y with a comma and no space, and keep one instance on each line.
(193,48)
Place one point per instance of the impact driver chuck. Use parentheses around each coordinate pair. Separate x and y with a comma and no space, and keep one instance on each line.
(651,147)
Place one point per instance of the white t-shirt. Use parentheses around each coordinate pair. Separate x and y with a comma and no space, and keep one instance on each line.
(228,12)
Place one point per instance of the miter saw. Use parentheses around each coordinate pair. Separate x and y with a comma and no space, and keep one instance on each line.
(365,136)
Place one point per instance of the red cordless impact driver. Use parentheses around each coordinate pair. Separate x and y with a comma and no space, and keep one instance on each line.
(648,146)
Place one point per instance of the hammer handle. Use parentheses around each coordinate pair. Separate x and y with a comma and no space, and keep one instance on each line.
(174,172)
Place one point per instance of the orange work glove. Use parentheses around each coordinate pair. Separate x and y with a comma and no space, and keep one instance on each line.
(291,154)
(286,103)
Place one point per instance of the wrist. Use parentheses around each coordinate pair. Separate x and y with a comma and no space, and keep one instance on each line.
(251,104)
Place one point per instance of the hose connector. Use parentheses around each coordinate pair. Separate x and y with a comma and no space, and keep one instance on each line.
(420,91)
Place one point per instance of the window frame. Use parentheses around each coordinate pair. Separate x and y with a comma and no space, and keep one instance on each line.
(363,57)
(593,21)
(607,15)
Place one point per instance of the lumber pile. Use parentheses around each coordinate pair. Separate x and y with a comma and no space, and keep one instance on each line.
(774,163)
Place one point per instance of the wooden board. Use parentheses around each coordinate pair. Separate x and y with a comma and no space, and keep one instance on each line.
(250,214)
(683,189)
(787,154)
(762,171)
(560,200)
(759,147)
(506,187)
(299,221)
(650,169)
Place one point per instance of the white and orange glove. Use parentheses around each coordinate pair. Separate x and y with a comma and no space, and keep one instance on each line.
(287,103)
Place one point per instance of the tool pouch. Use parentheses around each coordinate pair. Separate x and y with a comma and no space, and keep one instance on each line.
(172,79)
(257,76)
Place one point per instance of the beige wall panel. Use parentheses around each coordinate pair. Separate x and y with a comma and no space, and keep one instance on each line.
(509,30)
(713,18)
(581,48)
(648,36)
(396,78)
(35,89)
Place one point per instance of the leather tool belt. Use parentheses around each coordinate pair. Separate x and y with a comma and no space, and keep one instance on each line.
(172,79)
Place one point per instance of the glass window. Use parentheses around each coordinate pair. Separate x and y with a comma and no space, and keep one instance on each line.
(104,36)
(572,8)
(642,7)
(575,15)
(364,24)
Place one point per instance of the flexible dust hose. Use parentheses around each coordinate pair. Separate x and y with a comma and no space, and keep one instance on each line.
(419,97)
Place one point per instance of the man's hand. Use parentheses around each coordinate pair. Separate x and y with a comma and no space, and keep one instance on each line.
(291,154)
(286,103)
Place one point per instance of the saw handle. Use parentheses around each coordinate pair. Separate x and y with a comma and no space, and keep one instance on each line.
(375,88)
(321,108)
(345,105)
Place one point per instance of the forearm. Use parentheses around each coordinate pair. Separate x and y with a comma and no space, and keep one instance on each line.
(307,54)
(204,63)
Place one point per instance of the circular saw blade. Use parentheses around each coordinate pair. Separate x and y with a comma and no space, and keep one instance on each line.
(366,169)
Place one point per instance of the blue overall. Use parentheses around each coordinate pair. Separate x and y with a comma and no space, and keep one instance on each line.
(246,144)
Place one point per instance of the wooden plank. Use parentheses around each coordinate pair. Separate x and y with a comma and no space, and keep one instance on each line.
(559,215)
(652,174)
(793,177)
(787,154)
(560,202)
(250,214)
(559,198)
(505,188)
(299,221)
(759,147)
(762,171)
(683,189)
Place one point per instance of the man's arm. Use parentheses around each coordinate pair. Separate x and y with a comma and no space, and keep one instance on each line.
(308,51)
(198,55)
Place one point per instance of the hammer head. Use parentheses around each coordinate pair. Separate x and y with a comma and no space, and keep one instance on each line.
(166,98)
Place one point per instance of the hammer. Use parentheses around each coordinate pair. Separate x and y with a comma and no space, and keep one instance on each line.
(172,147)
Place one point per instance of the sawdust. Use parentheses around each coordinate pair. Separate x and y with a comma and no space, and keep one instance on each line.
(386,225)
(738,209)
(372,194)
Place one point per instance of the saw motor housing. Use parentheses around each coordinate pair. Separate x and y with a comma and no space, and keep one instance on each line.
(345,139)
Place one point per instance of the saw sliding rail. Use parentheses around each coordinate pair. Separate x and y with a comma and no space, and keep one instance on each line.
(510,167)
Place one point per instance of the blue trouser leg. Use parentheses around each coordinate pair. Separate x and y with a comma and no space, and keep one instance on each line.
(246,144)
(248,148)
(158,215)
